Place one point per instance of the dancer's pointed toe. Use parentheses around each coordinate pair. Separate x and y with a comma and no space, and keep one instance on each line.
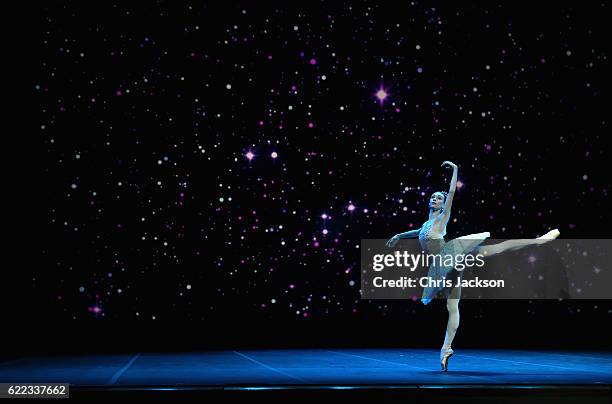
(425,301)
(444,357)
(551,235)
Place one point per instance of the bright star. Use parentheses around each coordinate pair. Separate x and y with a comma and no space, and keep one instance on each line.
(381,94)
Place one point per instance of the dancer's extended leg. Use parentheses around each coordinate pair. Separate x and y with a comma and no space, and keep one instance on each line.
(513,245)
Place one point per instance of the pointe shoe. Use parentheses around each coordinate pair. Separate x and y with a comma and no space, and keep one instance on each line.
(425,301)
(444,357)
(551,235)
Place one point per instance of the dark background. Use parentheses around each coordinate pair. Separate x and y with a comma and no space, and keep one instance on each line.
(158,231)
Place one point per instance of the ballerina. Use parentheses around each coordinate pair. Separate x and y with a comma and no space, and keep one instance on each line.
(431,236)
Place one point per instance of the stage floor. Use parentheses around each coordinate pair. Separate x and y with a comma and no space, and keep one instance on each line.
(315,367)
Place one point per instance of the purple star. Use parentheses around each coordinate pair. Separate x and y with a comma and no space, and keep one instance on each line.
(381,94)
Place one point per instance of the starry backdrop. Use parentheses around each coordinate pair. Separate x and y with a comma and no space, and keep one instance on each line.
(206,159)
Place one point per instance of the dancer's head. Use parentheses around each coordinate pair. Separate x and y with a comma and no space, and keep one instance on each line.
(437,199)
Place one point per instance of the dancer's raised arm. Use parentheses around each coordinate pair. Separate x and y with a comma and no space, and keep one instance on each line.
(451,192)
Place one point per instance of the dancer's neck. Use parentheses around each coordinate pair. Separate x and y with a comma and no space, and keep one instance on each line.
(434,213)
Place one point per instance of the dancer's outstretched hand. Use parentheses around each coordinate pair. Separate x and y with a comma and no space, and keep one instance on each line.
(392,241)
(449,164)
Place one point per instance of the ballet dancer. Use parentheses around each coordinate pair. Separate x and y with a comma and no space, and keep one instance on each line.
(431,236)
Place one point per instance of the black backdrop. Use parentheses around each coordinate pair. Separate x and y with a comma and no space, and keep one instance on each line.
(156,230)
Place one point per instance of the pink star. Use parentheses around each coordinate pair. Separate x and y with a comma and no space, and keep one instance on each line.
(381,94)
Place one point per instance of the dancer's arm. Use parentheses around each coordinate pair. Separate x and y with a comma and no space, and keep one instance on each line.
(451,192)
(409,234)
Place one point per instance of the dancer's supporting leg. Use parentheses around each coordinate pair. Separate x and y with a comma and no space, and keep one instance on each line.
(513,245)
(451,329)
(452,305)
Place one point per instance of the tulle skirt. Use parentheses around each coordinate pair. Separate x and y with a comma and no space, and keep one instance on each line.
(441,269)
